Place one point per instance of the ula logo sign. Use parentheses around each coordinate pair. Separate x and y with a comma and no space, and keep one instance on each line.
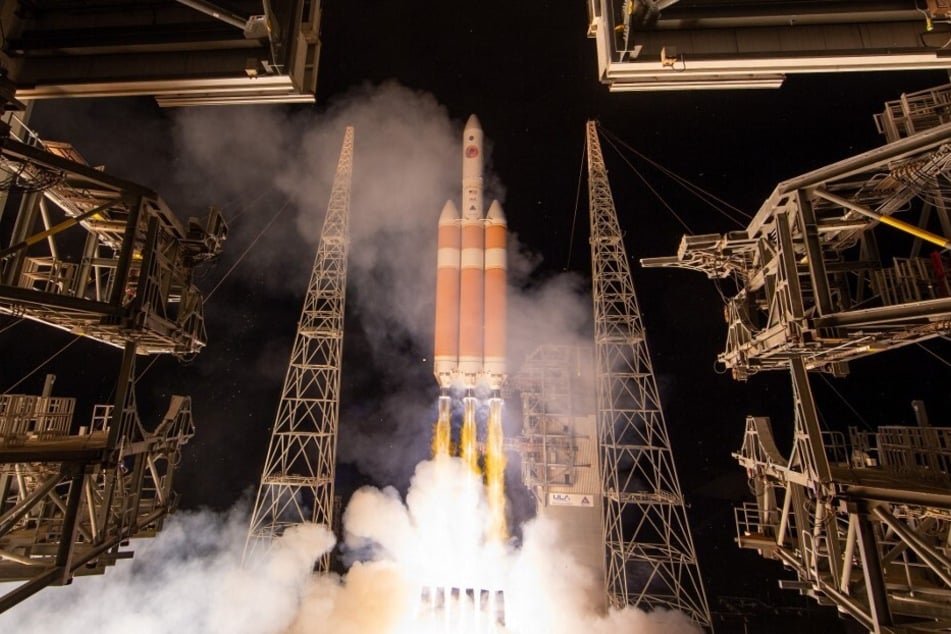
(571,499)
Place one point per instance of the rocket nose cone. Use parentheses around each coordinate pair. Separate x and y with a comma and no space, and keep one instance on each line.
(495,212)
(473,123)
(449,212)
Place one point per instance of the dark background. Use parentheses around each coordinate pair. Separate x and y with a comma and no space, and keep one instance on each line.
(529,72)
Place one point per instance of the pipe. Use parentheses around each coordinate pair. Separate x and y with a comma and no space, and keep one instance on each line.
(901,225)
(216,12)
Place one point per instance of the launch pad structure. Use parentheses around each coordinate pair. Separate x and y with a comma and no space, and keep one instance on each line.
(182,52)
(297,481)
(654,45)
(558,448)
(615,464)
(863,520)
(104,259)
(650,558)
(594,446)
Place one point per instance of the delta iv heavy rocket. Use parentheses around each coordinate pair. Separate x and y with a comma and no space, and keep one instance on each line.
(470,282)
(469,342)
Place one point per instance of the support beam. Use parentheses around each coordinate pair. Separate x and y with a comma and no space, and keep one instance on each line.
(872,569)
(939,564)
(901,225)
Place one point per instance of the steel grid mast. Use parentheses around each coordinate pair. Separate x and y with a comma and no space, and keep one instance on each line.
(650,560)
(297,482)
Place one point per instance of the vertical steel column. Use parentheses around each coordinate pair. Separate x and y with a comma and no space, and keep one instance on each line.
(297,482)
(650,559)
(22,227)
(807,419)
(121,275)
(67,539)
(872,568)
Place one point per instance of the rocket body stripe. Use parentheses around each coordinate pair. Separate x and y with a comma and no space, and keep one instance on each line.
(472,257)
(495,259)
(448,257)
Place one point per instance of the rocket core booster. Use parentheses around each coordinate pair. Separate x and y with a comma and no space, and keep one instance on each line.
(469,346)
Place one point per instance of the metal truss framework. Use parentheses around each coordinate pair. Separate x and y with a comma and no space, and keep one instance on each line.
(185,52)
(117,267)
(69,501)
(297,482)
(650,557)
(559,450)
(98,256)
(809,266)
(551,387)
(865,525)
(710,44)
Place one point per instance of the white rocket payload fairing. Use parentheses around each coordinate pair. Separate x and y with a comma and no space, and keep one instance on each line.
(469,346)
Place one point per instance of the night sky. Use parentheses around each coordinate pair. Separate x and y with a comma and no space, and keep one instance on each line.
(529,73)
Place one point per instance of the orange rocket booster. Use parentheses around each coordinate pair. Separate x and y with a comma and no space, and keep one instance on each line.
(446,344)
(495,271)
(470,288)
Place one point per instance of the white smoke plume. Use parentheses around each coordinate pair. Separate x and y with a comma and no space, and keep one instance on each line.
(407,163)
(189,578)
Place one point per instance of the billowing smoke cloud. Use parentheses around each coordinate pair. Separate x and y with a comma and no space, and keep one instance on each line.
(277,168)
(189,579)
(407,163)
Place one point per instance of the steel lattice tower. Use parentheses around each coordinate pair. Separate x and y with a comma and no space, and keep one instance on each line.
(297,482)
(650,560)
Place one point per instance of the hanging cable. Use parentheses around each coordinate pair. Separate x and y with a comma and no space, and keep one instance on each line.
(574,217)
(249,247)
(844,400)
(650,187)
(147,368)
(719,289)
(37,368)
(11,325)
(700,193)
(934,354)
(201,274)
(696,190)
(243,210)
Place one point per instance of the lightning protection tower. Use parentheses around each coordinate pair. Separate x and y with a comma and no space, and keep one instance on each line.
(297,482)
(650,560)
